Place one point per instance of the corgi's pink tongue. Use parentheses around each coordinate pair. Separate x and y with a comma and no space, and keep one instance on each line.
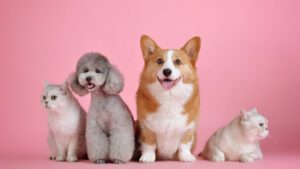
(167,84)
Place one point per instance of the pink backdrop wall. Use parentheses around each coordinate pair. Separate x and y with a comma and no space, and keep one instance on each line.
(249,57)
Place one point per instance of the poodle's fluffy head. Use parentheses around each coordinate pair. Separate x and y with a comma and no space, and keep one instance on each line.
(94,72)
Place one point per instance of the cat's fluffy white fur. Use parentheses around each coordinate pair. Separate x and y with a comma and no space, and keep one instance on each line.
(66,121)
(239,140)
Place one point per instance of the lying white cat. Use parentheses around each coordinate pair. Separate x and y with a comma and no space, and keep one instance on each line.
(239,140)
(66,120)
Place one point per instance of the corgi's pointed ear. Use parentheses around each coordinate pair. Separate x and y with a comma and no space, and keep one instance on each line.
(148,46)
(192,48)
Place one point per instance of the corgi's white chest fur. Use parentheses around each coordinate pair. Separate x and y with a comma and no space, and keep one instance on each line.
(169,122)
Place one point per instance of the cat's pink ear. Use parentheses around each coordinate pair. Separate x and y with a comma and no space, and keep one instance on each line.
(46,83)
(244,114)
(254,110)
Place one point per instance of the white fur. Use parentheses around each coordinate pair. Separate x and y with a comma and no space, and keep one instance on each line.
(169,64)
(184,153)
(148,153)
(168,122)
(239,140)
(66,121)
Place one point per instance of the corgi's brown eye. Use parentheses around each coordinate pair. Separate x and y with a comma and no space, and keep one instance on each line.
(85,70)
(261,124)
(44,97)
(159,61)
(97,71)
(177,62)
(53,97)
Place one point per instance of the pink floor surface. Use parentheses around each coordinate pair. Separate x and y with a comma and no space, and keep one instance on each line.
(272,160)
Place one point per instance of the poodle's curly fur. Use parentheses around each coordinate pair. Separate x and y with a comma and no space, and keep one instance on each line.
(109,129)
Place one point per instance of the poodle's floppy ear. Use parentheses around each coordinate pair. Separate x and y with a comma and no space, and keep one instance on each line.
(75,86)
(64,87)
(114,81)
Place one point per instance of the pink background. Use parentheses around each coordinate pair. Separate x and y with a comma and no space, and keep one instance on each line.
(249,57)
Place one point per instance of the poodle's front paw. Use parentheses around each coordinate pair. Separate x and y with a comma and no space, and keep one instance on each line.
(60,158)
(246,158)
(72,158)
(116,161)
(218,158)
(186,156)
(100,161)
(147,157)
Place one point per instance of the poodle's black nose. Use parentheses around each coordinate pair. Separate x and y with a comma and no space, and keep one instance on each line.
(88,79)
(167,72)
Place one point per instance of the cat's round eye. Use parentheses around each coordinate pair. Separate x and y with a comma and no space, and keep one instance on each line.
(85,70)
(159,61)
(44,97)
(53,97)
(177,62)
(97,71)
(261,124)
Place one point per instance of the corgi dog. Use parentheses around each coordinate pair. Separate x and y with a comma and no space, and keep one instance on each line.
(168,101)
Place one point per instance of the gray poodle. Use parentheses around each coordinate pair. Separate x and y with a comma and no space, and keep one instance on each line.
(109,128)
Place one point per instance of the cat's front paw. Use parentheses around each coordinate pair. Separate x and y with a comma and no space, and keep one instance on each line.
(246,158)
(60,158)
(186,156)
(147,157)
(72,159)
(52,157)
(218,158)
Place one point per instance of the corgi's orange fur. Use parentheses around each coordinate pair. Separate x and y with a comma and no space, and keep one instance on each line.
(168,101)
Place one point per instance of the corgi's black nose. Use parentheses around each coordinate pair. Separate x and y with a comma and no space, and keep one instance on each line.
(167,72)
(88,79)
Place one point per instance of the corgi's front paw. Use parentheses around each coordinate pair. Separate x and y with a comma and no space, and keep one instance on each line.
(147,157)
(186,156)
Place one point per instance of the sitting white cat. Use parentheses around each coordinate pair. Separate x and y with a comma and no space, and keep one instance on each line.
(66,121)
(239,140)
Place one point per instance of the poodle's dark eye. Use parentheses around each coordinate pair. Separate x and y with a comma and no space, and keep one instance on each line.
(177,62)
(261,124)
(85,70)
(44,97)
(53,97)
(97,71)
(159,61)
